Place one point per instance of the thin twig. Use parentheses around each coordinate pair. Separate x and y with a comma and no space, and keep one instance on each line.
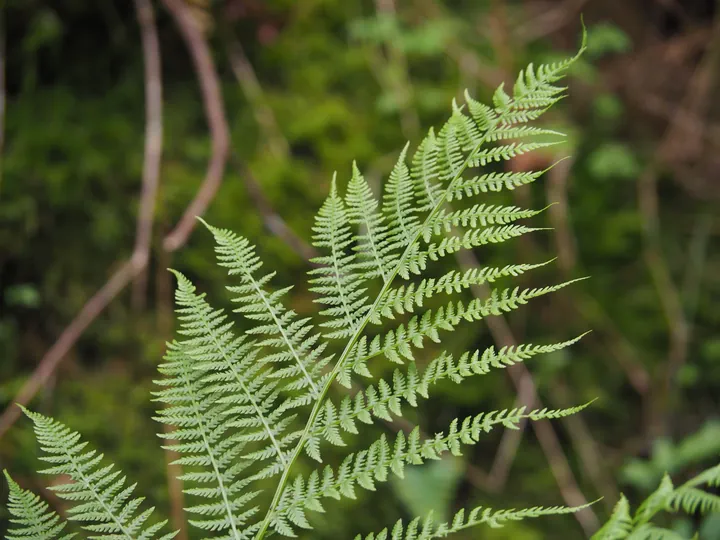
(245,74)
(273,222)
(153,142)
(217,122)
(696,101)
(67,339)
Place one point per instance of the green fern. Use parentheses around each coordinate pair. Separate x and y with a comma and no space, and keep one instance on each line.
(245,408)
(32,518)
(688,498)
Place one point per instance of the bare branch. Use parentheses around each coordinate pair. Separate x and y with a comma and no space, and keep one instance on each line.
(217,122)
(67,339)
(245,74)
(153,142)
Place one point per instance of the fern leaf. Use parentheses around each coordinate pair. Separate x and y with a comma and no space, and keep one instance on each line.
(398,204)
(282,332)
(233,365)
(619,526)
(31,517)
(418,256)
(337,282)
(384,399)
(648,531)
(365,468)
(425,173)
(479,215)
(656,502)
(107,507)
(406,298)
(374,250)
(493,181)
(691,500)
(203,441)
(426,529)
(397,345)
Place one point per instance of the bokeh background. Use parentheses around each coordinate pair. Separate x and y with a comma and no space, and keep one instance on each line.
(265,100)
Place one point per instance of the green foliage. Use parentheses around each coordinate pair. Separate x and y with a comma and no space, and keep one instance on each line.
(688,498)
(32,518)
(246,406)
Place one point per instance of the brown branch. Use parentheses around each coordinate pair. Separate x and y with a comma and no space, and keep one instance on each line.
(217,122)
(272,221)
(153,143)
(69,336)
(245,75)
(680,139)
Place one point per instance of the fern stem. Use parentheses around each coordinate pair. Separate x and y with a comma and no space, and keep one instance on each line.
(358,333)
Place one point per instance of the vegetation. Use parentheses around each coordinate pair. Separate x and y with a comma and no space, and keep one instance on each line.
(71,166)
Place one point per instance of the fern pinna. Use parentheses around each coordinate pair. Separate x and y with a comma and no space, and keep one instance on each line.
(244,408)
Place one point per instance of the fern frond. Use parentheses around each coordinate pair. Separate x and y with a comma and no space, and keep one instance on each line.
(374,249)
(648,531)
(493,181)
(106,508)
(479,215)
(426,528)
(31,517)
(507,152)
(425,173)
(418,256)
(337,282)
(398,343)
(687,498)
(287,337)
(406,298)
(386,397)
(204,441)
(398,204)
(366,467)
(619,525)
(239,376)
(691,500)
(656,502)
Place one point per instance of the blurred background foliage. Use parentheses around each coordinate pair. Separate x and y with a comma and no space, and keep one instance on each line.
(308,86)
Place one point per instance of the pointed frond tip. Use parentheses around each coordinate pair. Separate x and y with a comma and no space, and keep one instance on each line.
(31,517)
(107,504)
(427,528)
